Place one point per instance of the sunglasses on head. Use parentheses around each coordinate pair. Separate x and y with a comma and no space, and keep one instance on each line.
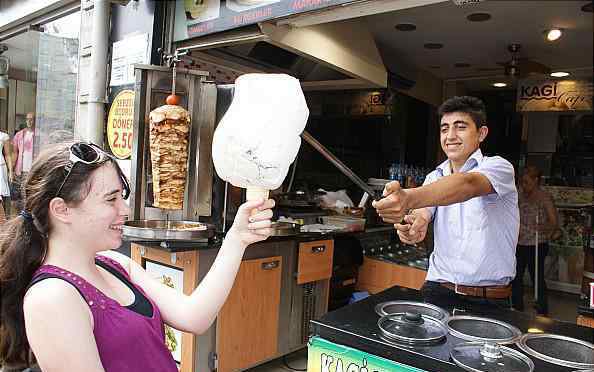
(89,153)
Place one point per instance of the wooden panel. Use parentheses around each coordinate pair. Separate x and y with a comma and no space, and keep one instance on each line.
(585,321)
(374,273)
(247,325)
(375,276)
(188,263)
(315,261)
(408,277)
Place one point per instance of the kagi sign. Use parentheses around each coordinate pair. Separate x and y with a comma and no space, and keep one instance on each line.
(553,95)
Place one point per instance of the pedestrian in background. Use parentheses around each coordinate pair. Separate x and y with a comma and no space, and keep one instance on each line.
(6,174)
(537,214)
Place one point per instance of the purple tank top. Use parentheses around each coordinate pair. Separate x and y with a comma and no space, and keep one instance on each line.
(127,341)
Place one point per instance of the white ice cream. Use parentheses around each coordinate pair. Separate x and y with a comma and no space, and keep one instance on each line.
(259,136)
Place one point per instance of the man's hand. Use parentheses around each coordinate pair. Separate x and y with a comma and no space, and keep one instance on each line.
(394,205)
(413,229)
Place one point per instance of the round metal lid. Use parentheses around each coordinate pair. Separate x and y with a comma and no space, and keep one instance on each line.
(490,357)
(561,350)
(412,328)
(395,307)
(473,328)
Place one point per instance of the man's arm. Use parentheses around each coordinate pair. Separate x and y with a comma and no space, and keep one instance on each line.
(452,189)
(447,190)
(15,150)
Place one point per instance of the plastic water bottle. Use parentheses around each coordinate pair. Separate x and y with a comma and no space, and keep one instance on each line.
(392,171)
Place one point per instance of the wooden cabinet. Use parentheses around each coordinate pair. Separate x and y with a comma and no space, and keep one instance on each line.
(376,275)
(247,325)
(315,261)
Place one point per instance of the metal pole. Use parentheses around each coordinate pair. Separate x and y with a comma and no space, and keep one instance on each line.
(98,75)
(536,260)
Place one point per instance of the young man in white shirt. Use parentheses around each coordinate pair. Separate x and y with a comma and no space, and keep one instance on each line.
(473,203)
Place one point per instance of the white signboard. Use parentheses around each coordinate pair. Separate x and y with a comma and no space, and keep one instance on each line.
(127,52)
(552,95)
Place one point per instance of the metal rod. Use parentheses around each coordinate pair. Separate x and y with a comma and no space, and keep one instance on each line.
(536,261)
(339,164)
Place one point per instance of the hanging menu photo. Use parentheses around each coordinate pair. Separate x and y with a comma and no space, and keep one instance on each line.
(194,18)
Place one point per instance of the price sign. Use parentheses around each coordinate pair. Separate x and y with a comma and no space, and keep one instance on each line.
(120,124)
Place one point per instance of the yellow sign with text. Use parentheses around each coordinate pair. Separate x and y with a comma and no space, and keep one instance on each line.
(120,124)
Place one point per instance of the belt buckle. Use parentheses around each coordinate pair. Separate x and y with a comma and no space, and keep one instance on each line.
(456,290)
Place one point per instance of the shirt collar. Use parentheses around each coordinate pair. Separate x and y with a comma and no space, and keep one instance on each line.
(473,160)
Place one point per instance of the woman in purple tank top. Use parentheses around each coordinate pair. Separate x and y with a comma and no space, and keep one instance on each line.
(67,303)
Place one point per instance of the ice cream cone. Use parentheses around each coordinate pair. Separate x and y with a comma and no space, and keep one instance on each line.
(255,193)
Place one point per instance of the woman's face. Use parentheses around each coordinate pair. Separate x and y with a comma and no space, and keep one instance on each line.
(99,217)
(529,183)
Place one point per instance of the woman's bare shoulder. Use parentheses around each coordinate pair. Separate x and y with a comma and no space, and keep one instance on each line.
(51,294)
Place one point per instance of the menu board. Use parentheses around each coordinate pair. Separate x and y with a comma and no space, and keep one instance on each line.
(195,18)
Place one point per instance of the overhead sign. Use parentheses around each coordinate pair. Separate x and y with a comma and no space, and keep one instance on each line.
(551,95)
(197,18)
(120,124)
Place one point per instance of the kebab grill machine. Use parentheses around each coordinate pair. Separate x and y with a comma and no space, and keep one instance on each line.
(172,177)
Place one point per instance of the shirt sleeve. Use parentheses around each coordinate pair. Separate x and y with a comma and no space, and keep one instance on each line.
(500,174)
(431,177)
(4,136)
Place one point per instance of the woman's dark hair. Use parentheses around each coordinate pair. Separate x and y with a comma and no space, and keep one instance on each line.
(23,243)
(472,106)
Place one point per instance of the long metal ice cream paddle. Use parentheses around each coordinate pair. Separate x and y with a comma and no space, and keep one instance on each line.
(339,164)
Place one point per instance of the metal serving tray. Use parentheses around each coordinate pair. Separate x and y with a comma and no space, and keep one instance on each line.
(284,228)
(161,230)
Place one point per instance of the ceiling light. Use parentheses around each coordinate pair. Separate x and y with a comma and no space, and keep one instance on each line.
(499,85)
(559,74)
(553,34)
(405,27)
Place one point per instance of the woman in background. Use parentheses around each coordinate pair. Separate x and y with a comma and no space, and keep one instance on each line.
(5,174)
(535,205)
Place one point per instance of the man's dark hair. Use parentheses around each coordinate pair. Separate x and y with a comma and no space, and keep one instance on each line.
(472,106)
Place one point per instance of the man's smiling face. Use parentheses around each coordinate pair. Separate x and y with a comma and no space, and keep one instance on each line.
(460,136)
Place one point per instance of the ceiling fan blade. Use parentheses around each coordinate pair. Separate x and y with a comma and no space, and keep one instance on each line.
(528,66)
